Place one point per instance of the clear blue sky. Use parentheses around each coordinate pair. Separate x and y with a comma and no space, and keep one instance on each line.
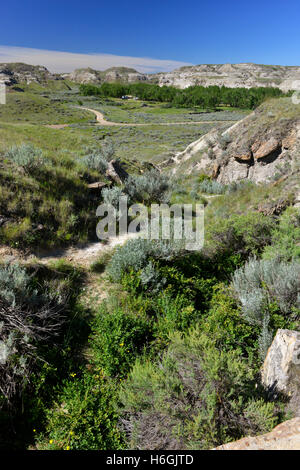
(195,31)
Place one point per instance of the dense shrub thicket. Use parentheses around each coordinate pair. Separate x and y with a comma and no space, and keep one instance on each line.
(205,97)
(196,397)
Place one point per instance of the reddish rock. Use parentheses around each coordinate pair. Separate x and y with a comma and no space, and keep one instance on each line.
(244,158)
(215,171)
(285,436)
(266,148)
(289,141)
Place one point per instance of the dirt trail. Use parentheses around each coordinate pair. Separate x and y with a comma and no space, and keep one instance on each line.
(81,255)
(101,121)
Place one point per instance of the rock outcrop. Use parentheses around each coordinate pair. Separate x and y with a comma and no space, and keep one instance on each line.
(281,369)
(232,76)
(285,436)
(262,147)
(113,74)
(13,73)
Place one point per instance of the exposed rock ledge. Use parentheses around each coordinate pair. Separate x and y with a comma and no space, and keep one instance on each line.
(286,436)
(262,147)
(280,374)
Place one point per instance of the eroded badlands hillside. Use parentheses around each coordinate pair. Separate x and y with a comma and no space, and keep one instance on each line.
(232,76)
(263,147)
(229,75)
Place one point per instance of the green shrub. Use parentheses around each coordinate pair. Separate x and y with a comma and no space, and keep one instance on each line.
(118,336)
(225,324)
(285,242)
(195,397)
(239,234)
(100,264)
(173,314)
(83,417)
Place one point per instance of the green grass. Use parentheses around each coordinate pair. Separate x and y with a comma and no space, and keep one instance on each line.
(34,108)
(139,112)
(56,196)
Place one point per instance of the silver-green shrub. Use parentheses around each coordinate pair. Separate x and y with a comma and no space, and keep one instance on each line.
(261,283)
(28,318)
(26,156)
(112,196)
(151,187)
(95,161)
(136,253)
(224,140)
(212,187)
(150,277)
(108,149)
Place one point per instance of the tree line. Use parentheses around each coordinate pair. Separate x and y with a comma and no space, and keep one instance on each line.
(205,97)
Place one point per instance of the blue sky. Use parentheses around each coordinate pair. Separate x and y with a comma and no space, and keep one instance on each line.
(177,32)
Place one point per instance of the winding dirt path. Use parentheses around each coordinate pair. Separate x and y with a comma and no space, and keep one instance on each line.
(83,255)
(101,121)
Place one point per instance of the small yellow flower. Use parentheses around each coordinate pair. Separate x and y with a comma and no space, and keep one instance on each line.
(51,441)
(71,433)
(73,374)
(34,430)
(68,448)
(121,344)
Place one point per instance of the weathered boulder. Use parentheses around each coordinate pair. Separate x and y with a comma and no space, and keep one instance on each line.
(233,171)
(285,436)
(265,149)
(281,369)
(244,157)
(290,140)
